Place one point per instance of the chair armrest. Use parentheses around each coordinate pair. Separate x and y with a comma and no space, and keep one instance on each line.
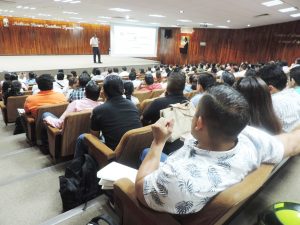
(53,130)
(2,106)
(29,119)
(99,150)
(131,211)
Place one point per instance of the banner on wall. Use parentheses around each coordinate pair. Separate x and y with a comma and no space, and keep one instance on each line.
(5,22)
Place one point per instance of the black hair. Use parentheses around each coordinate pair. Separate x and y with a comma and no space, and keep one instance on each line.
(31,75)
(128,89)
(116,70)
(142,70)
(7,76)
(113,86)
(132,76)
(45,82)
(72,81)
(60,71)
(149,79)
(13,76)
(295,74)
(228,78)
(297,61)
(92,90)
(124,68)
(250,73)
(5,86)
(224,111)
(84,78)
(74,73)
(97,71)
(206,80)
(158,74)
(273,75)
(258,96)
(176,83)
(60,76)
(16,87)
(109,70)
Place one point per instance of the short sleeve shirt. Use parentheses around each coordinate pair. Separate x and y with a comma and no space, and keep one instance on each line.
(190,177)
(114,118)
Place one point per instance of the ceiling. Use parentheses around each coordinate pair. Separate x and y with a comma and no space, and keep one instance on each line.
(215,13)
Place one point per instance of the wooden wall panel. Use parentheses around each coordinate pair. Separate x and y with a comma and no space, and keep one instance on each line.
(28,40)
(259,44)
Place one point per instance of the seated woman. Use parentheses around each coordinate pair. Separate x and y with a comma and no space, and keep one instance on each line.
(13,89)
(262,114)
(128,87)
(92,91)
(149,84)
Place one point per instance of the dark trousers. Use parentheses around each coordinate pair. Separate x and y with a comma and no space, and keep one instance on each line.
(96,51)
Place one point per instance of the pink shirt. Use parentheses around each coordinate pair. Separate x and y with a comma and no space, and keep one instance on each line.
(75,106)
(151,87)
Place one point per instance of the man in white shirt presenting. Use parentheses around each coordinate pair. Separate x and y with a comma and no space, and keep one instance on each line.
(94,43)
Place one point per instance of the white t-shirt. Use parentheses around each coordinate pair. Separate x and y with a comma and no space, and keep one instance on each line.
(94,42)
(124,74)
(190,177)
(286,104)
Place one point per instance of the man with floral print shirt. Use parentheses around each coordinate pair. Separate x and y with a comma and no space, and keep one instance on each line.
(221,153)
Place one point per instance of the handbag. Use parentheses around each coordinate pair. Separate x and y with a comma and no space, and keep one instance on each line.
(182,114)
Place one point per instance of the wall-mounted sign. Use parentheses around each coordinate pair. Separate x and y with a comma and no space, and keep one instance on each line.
(49,26)
(5,22)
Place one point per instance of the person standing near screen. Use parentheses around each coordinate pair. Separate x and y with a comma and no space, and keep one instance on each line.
(94,43)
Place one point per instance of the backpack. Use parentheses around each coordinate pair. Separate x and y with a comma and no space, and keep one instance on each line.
(80,183)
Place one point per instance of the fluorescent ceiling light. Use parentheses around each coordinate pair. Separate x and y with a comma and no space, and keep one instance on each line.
(120,10)
(75,2)
(295,15)
(19,7)
(26,7)
(42,14)
(130,20)
(222,26)
(32,8)
(76,18)
(207,24)
(184,21)
(67,12)
(228,21)
(104,17)
(272,3)
(181,11)
(248,25)
(290,9)
(159,16)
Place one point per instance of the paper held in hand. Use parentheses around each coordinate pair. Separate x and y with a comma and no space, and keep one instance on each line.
(113,172)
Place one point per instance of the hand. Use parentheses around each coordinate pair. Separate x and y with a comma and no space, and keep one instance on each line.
(162,130)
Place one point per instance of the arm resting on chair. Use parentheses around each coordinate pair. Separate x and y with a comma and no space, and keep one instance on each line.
(132,212)
(99,150)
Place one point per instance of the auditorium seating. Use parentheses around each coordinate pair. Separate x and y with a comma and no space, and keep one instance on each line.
(157,92)
(145,104)
(216,212)
(33,126)
(191,94)
(9,111)
(128,150)
(62,142)
(142,95)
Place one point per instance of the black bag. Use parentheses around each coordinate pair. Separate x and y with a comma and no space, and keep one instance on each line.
(80,183)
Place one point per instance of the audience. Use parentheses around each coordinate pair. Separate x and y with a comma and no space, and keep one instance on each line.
(128,90)
(113,118)
(132,78)
(216,158)
(262,114)
(286,101)
(124,72)
(149,84)
(14,89)
(31,78)
(295,77)
(78,93)
(205,81)
(46,96)
(97,75)
(227,78)
(61,83)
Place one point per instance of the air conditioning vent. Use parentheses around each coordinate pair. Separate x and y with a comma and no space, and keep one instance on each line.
(261,15)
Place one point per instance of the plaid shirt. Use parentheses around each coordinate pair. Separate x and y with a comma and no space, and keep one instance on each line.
(77,94)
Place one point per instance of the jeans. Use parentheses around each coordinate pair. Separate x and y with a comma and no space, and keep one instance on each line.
(81,148)
(96,51)
(163,156)
(44,135)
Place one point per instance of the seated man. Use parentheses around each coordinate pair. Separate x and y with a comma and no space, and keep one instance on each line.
(92,92)
(221,153)
(78,93)
(61,83)
(149,84)
(286,101)
(113,118)
(46,96)
(205,81)
(295,76)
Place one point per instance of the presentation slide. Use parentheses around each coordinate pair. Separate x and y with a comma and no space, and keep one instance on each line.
(133,41)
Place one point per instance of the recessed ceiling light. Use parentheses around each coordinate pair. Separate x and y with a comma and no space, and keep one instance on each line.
(127,17)
(72,13)
(222,26)
(120,10)
(248,25)
(155,15)
(272,3)
(104,17)
(228,21)
(19,7)
(290,9)
(75,2)
(32,8)
(184,21)
(181,11)
(11,11)
(295,15)
(26,7)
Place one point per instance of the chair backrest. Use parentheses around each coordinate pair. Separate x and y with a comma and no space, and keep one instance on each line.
(225,204)
(29,92)
(13,103)
(142,95)
(75,123)
(132,144)
(56,109)
(146,104)
(157,92)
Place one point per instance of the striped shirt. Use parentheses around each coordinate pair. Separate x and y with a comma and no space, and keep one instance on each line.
(287,107)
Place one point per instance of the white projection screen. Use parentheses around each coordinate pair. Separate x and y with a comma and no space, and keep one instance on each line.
(126,40)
